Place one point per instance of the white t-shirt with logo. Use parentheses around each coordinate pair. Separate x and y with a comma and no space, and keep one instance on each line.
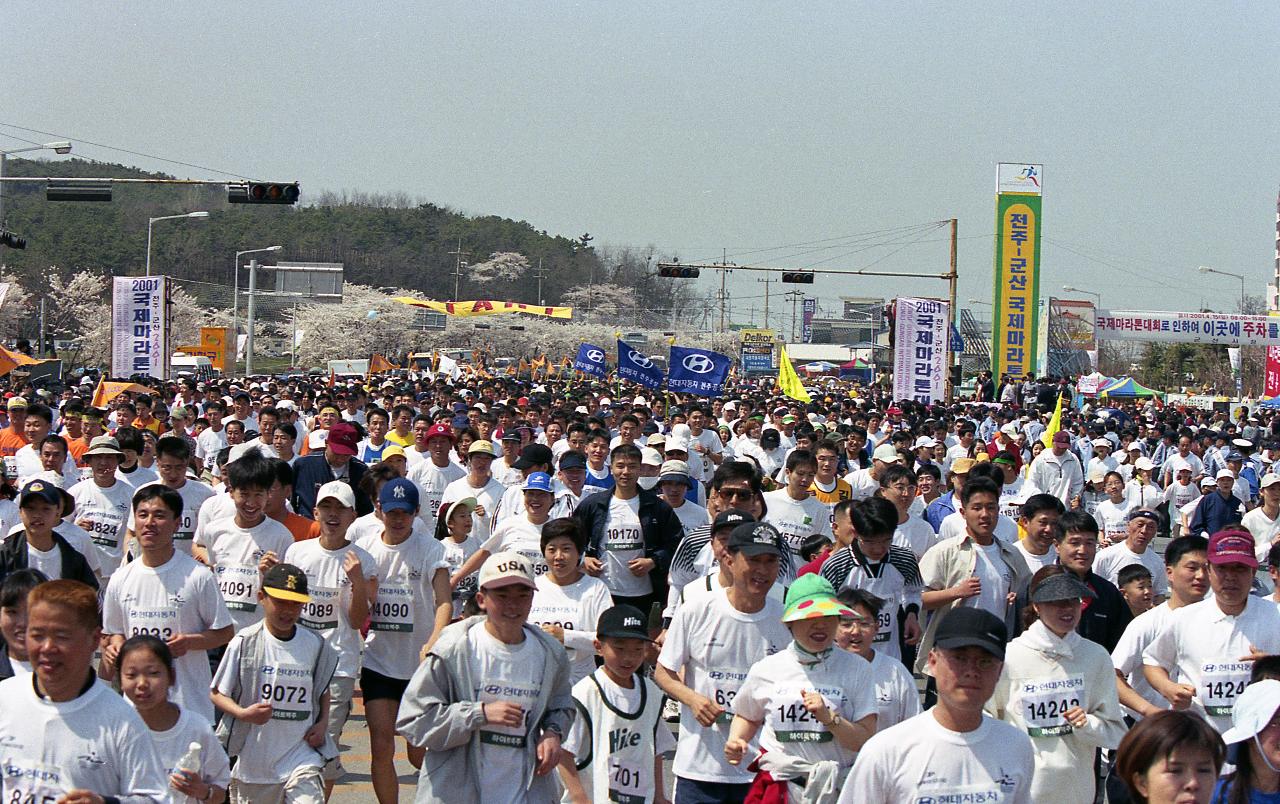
(178,597)
(1113,520)
(172,745)
(896,695)
(488,496)
(576,608)
(796,520)
(715,645)
(403,616)
(511,673)
(106,511)
(274,750)
(234,553)
(193,494)
(330,590)
(623,543)
(455,555)
(432,480)
(918,760)
(522,536)
(1110,560)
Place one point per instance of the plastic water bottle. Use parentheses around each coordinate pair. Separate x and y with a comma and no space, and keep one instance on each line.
(190,761)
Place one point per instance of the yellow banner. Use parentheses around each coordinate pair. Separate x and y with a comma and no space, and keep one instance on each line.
(467,309)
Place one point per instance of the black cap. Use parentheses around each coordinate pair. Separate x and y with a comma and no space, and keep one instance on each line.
(731,519)
(1144,513)
(533,455)
(755,539)
(1063,586)
(511,434)
(573,460)
(286,582)
(966,627)
(622,622)
(771,436)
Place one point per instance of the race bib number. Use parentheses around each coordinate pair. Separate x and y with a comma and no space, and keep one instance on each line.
(10,466)
(540,565)
(161,623)
(239,586)
(1045,704)
(725,686)
(626,784)
(321,614)
(795,724)
(1220,683)
(288,689)
(393,610)
(29,782)
(186,529)
(884,627)
(103,528)
(620,539)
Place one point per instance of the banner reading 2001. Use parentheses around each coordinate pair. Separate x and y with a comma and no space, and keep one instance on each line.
(920,349)
(1017,271)
(139,332)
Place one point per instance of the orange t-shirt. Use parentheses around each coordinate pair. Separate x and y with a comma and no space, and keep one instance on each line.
(11,441)
(299,526)
(77,447)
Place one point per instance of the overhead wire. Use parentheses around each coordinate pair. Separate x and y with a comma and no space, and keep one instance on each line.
(82,141)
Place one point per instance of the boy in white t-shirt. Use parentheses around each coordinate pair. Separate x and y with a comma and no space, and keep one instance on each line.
(614,750)
(342,579)
(273,690)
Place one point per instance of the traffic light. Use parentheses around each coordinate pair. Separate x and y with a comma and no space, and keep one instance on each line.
(678,271)
(263,192)
(78,190)
(798,277)
(957,375)
(12,240)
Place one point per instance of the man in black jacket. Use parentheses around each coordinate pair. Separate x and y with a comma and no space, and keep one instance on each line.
(37,546)
(1106,616)
(631,534)
(337,462)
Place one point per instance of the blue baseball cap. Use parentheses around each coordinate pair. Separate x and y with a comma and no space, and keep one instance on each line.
(399,494)
(538,481)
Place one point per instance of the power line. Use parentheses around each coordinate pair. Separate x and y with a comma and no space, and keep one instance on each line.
(81,140)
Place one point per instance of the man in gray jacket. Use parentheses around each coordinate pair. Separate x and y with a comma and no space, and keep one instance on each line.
(492,701)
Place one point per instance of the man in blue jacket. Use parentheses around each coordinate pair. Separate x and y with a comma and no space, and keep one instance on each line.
(337,462)
(1219,508)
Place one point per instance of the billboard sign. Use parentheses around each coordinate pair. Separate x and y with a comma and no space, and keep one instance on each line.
(139,326)
(1014,326)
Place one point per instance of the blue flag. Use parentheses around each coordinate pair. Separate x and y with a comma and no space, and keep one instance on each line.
(698,371)
(635,366)
(957,342)
(590,360)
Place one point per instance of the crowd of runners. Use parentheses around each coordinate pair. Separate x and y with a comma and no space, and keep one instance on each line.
(852,599)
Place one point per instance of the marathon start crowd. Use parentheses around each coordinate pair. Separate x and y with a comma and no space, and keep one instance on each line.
(849,600)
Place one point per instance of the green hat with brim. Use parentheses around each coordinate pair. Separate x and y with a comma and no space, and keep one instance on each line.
(813,596)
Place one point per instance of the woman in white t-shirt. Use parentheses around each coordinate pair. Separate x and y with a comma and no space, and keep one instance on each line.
(815,702)
(146,676)
(1060,689)
(568,602)
(1113,512)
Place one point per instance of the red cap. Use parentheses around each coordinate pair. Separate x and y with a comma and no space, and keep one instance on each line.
(439,430)
(894,411)
(522,402)
(1232,546)
(343,438)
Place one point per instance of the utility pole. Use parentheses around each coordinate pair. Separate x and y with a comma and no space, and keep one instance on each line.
(40,348)
(952,280)
(248,342)
(723,294)
(540,275)
(458,253)
(766,282)
(795,296)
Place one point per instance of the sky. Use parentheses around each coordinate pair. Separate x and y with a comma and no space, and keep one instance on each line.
(824,135)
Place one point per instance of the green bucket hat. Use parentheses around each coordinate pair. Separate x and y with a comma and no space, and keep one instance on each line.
(813,596)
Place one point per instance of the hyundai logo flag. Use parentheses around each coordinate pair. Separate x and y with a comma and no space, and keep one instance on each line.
(590,360)
(634,365)
(698,371)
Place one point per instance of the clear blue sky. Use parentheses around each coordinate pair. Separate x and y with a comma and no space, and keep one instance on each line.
(697,127)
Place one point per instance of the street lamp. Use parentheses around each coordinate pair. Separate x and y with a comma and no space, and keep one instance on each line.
(167,218)
(59,147)
(235,295)
(1096,296)
(981,302)
(1204,269)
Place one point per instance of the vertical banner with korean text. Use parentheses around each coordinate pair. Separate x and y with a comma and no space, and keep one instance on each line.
(920,349)
(139,326)
(810,310)
(1272,385)
(1014,325)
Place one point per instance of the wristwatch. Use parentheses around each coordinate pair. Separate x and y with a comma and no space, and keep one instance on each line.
(554,728)
(835,720)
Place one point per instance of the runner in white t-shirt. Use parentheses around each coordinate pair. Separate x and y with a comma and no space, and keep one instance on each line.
(952,751)
(173,456)
(896,695)
(341,581)
(793,510)
(102,502)
(166,594)
(406,617)
(1135,548)
(568,602)
(706,655)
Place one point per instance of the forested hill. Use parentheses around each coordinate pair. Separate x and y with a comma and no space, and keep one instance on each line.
(382,240)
